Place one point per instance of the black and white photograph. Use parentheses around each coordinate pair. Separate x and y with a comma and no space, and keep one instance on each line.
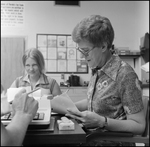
(75,73)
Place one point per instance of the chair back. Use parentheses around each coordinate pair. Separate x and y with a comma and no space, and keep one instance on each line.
(146,113)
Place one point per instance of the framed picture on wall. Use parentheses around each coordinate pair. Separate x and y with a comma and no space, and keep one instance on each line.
(52,41)
(60,54)
(61,41)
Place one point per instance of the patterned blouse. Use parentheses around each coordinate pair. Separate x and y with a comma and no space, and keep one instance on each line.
(114,90)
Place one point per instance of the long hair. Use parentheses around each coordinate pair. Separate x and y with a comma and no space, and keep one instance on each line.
(37,56)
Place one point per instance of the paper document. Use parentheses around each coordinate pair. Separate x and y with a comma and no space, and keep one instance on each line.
(145,67)
(5,106)
(11,92)
(60,103)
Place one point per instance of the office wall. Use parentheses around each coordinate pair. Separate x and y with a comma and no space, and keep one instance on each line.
(130,20)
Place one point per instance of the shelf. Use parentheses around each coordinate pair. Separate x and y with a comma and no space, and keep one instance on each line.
(131,56)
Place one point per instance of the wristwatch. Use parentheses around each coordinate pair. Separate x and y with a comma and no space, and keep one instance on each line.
(105,123)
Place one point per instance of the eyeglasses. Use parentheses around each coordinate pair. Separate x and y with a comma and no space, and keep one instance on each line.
(85,53)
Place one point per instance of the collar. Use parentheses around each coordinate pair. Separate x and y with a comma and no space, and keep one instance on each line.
(40,81)
(112,66)
(95,70)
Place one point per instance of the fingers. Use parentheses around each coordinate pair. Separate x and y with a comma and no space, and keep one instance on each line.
(34,106)
(35,102)
(31,101)
(21,91)
(74,112)
(74,116)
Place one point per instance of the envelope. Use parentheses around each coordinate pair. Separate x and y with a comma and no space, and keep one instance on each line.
(60,103)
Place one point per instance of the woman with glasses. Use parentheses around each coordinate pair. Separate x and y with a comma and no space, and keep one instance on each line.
(114,96)
(33,62)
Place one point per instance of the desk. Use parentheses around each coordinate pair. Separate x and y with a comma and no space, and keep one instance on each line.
(56,137)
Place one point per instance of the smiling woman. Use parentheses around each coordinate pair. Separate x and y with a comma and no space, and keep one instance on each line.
(34,76)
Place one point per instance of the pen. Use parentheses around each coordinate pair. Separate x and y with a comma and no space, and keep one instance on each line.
(33,90)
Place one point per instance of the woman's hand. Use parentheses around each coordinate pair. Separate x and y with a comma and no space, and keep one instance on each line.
(24,104)
(87,118)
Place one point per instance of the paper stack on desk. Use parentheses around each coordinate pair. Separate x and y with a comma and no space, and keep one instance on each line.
(60,103)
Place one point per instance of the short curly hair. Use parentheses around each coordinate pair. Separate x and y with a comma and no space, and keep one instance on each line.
(95,29)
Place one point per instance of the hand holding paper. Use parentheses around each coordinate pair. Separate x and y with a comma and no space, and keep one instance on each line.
(76,114)
(61,102)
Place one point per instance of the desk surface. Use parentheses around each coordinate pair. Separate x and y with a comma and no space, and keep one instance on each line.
(56,137)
